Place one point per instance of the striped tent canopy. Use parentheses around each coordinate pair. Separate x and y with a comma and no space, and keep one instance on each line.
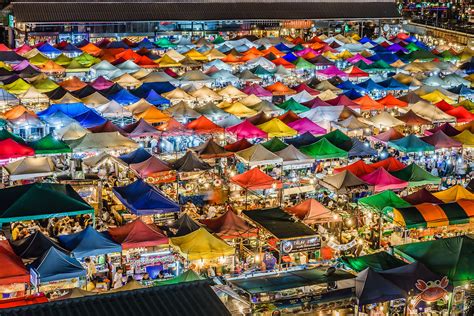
(429,215)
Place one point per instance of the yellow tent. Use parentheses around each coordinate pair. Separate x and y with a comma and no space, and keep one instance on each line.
(153,115)
(466,138)
(166,61)
(177,95)
(240,110)
(18,86)
(276,128)
(250,100)
(345,54)
(331,56)
(453,194)
(200,244)
(195,55)
(214,54)
(436,96)
(127,81)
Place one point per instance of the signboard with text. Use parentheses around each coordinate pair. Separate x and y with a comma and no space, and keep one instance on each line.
(300,245)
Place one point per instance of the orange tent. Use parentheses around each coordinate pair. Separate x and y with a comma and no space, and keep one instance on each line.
(16,112)
(368,104)
(390,164)
(273,50)
(254,51)
(146,62)
(359,168)
(153,115)
(256,179)
(283,62)
(203,125)
(309,55)
(72,84)
(52,68)
(312,212)
(390,101)
(318,46)
(249,57)
(91,49)
(231,59)
(128,55)
(279,88)
(173,127)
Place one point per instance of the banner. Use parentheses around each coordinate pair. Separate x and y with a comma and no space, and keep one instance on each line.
(300,245)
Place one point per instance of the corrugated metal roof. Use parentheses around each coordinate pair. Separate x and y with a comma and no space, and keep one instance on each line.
(95,11)
(189,298)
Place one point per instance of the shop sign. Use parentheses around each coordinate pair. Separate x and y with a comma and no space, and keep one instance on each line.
(300,245)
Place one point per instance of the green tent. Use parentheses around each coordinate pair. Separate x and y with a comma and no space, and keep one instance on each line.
(323,149)
(18,86)
(451,257)
(448,56)
(86,60)
(383,202)
(40,201)
(75,66)
(302,63)
(339,139)
(379,261)
(218,40)
(379,65)
(164,43)
(416,176)
(49,145)
(3,123)
(6,134)
(421,55)
(412,47)
(188,276)
(298,48)
(45,85)
(38,59)
(274,144)
(410,144)
(292,105)
(63,60)
(260,71)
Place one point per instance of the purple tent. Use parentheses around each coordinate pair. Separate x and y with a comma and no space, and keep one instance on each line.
(257,90)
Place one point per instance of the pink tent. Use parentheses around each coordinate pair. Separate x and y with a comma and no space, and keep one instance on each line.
(22,65)
(246,130)
(150,167)
(382,180)
(331,72)
(101,83)
(358,57)
(257,90)
(305,51)
(306,125)
(315,103)
(343,100)
(23,49)
(304,87)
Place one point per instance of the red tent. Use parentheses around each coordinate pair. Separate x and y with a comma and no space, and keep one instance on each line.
(304,87)
(10,149)
(391,134)
(173,128)
(137,234)
(440,140)
(461,114)
(390,101)
(444,106)
(23,301)
(150,167)
(107,127)
(390,164)
(359,168)
(368,104)
(246,130)
(203,125)
(230,226)
(279,88)
(13,270)
(255,179)
(356,72)
(422,196)
(316,102)
(382,180)
(289,117)
(446,128)
(238,145)
(343,100)
(312,212)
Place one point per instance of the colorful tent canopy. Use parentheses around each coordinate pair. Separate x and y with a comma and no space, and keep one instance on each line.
(34,245)
(274,145)
(323,149)
(382,180)
(304,125)
(312,212)
(190,162)
(10,149)
(293,157)
(390,164)
(384,201)
(373,288)
(379,261)
(454,194)
(276,128)
(13,270)
(49,145)
(230,226)
(200,244)
(255,179)
(411,143)
(421,196)
(151,167)
(137,234)
(29,168)
(440,140)
(55,265)
(143,199)
(89,242)
(343,182)
(203,125)
(210,149)
(258,155)
(416,176)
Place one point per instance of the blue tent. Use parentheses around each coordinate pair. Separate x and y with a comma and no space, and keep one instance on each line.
(372,288)
(370,85)
(89,242)
(374,57)
(143,199)
(348,85)
(393,84)
(82,43)
(379,49)
(70,109)
(389,58)
(156,99)
(90,119)
(69,48)
(365,39)
(117,44)
(353,94)
(49,50)
(146,43)
(124,97)
(135,156)
(302,140)
(159,87)
(462,90)
(361,149)
(55,265)
(282,48)
(290,57)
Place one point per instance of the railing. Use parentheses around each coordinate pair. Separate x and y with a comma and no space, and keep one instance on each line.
(467,29)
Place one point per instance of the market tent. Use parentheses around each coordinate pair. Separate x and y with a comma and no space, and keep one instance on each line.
(390,101)
(184,225)
(390,164)
(312,212)
(29,168)
(304,125)
(258,155)
(210,149)
(446,128)
(289,117)
(255,179)
(182,112)
(466,138)
(172,128)
(276,128)
(135,156)
(239,110)
(153,115)
(383,202)
(49,145)
(451,257)
(382,180)
(10,149)
(385,120)
(140,129)
(323,149)
(454,194)
(101,141)
(34,245)
(259,118)
(292,105)
(431,112)
(190,162)
(143,199)
(342,182)
(391,134)
(187,276)
(152,167)
(293,157)
(113,109)
(416,176)
(274,144)
(71,132)
(412,119)
(55,265)
(200,244)
(373,288)
(203,125)
(280,224)
(88,242)
(302,140)
(13,270)
(358,168)
(440,140)
(230,226)
(238,145)
(410,143)
(378,261)
(361,149)
(366,103)
(421,196)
